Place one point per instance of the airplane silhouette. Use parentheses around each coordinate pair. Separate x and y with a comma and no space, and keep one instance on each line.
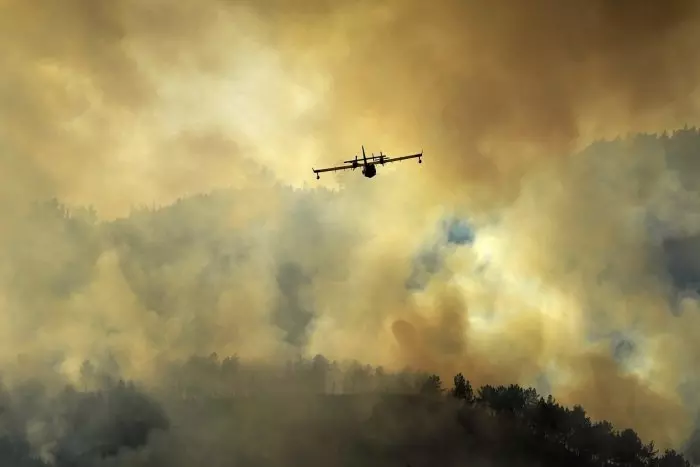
(368,165)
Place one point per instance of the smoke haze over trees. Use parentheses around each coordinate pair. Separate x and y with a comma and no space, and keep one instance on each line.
(308,412)
(158,207)
(173,266)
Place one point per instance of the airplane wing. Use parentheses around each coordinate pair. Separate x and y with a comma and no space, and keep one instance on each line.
(403,158)
(333,169)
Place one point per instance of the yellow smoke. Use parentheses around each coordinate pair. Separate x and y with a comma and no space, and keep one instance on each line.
(123,104)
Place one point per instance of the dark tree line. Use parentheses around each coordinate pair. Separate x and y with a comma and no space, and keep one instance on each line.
(544,429)
(213,376)
(501,423)
(414,418)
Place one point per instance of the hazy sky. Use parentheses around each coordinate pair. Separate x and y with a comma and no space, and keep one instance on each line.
(121,103)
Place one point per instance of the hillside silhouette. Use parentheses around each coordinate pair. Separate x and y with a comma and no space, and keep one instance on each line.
(315,412)
(175,264)
(415,418)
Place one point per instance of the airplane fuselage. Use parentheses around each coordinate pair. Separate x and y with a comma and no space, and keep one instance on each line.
(369,170)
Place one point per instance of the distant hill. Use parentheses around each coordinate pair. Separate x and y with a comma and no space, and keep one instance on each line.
(314,412)
(372,418)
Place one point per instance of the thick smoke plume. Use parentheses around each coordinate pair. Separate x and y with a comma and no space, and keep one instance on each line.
(582,264)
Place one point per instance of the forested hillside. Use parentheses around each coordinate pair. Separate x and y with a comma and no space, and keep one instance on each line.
(190,278)
(251,415)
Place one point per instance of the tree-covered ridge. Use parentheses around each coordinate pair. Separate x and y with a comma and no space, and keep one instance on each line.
(294,414)
(54,252)
(501,423)
(679,149)
(557,433)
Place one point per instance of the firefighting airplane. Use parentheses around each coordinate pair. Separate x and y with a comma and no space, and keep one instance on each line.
(368,164)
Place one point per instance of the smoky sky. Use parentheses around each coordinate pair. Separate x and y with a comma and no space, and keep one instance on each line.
(190,129)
